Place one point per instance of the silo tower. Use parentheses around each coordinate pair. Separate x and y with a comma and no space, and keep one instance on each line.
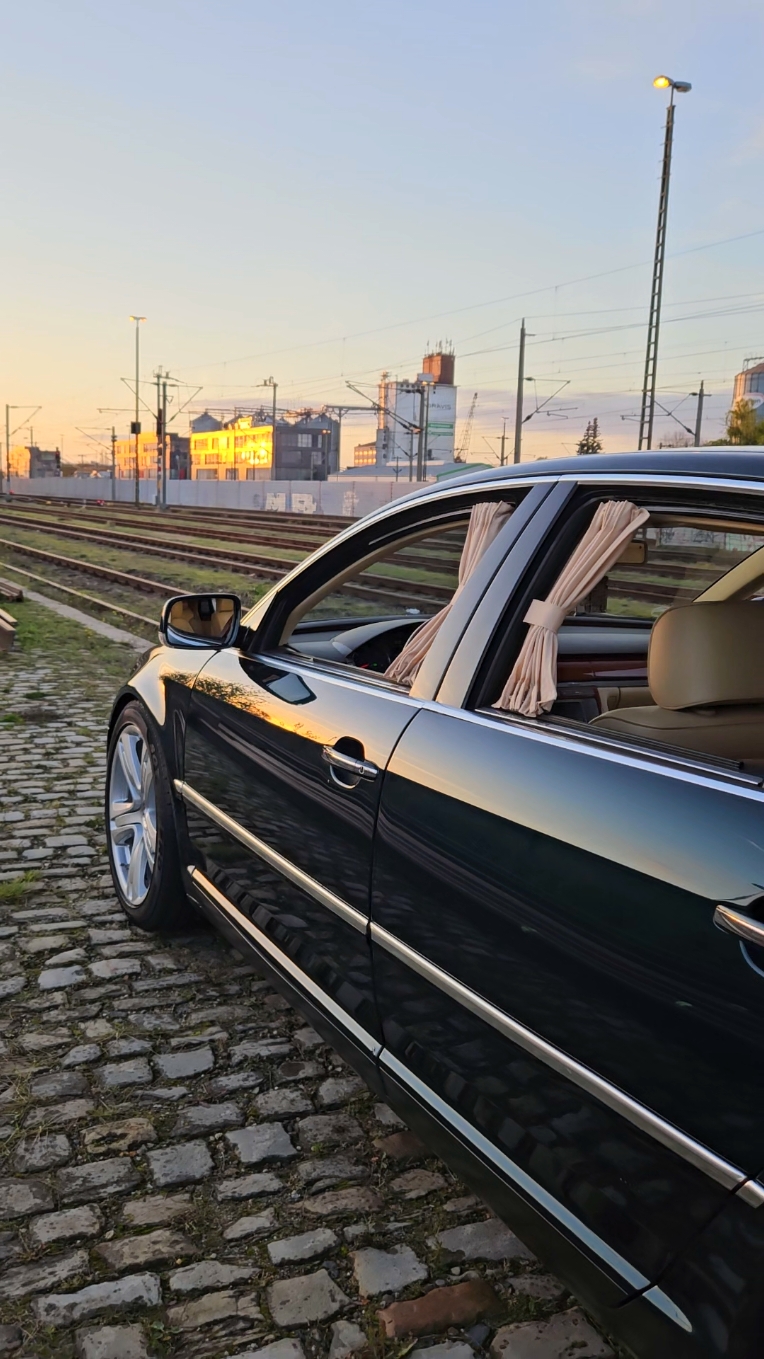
(749,385)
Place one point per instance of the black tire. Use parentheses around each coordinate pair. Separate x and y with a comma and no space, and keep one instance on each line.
(165,906)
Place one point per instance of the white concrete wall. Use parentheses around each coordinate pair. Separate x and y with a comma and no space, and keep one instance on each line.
(346,497)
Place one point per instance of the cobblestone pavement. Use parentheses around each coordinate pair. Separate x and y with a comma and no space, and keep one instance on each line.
(188,1170)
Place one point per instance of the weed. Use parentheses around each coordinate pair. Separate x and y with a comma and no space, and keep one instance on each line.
(17,888)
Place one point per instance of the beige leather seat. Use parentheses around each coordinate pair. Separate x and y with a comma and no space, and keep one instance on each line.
(705,670)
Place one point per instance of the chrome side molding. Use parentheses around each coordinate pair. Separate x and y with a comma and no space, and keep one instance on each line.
(284,961)
(273,858)
(730,1176)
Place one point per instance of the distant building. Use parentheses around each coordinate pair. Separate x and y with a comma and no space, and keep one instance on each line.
(307,449)
(749,385)
(177,456)
(395,448)
(400,414)
(241,449)
(394,451)
(237,450)
(27,460)
(204,423)
(365,455)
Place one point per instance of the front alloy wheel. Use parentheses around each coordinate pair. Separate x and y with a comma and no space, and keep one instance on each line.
(140,825)
(132,814)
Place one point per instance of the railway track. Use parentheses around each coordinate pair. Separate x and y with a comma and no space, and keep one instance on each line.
(391,590)
(82,595)
(163,534)
(269,536)
(257,564)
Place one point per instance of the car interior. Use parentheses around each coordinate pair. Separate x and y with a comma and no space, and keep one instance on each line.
(668,648)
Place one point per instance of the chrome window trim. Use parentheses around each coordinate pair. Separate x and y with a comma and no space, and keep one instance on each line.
(703,1159)
(604,746)
(270,856)
(599,745)
(662,479)
(285,962)
(387,512)
(585,478)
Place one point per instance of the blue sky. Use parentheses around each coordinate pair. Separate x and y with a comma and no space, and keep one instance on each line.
(317,192)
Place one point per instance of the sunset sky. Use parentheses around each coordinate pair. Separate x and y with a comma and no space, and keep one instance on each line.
(319,191)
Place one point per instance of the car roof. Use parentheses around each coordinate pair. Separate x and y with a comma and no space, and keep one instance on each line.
(745,464)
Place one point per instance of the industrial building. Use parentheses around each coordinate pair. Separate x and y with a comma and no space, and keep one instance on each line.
(27,460)
(177,456)
(241,449)
(399,413)
(749,385)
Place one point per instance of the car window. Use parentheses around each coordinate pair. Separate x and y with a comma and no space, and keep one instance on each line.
(666,649)
(669,564)
(415,578)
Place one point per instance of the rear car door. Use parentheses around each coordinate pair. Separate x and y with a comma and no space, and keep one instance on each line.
(551,979)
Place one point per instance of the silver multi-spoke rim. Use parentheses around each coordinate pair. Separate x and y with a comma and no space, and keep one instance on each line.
(132,814)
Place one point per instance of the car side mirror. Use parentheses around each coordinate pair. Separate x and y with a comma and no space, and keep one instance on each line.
(200,621)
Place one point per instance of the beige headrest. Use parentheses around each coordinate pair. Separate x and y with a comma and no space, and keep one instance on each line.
(704,655)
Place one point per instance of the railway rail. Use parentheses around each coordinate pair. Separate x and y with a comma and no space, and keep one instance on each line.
(257,564)
(163,534)
(392,590)
(82,596)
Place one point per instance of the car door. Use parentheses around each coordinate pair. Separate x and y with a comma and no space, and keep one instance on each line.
(284,757)
(279,831)
(550,975)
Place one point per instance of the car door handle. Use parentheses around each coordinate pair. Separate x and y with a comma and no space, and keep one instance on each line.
(735,922)
(348,764)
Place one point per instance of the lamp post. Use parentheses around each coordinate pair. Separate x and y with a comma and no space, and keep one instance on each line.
(136,426)
(647,412)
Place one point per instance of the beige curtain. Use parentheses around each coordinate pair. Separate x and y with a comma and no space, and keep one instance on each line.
(532,687)
(486,522)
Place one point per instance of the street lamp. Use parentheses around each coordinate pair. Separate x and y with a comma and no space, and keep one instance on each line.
(136,427)
(647,413)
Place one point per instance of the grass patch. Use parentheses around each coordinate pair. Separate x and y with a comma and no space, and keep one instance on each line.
(90,657)
(17,888)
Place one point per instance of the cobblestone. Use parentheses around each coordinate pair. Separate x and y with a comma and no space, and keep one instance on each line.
(171,1121)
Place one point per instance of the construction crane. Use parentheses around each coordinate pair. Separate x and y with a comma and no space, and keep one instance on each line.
(463,451)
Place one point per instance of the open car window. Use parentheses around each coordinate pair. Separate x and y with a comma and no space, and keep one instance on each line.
(666,649)
(364,617)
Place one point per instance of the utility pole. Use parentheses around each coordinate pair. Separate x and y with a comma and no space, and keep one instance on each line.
(136,426)
(519,402)
(699,417)
(268,382)
(502,459)
(424,383)
(7,449)
(647,413)
(158,496)
(113,463)
(164,442)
